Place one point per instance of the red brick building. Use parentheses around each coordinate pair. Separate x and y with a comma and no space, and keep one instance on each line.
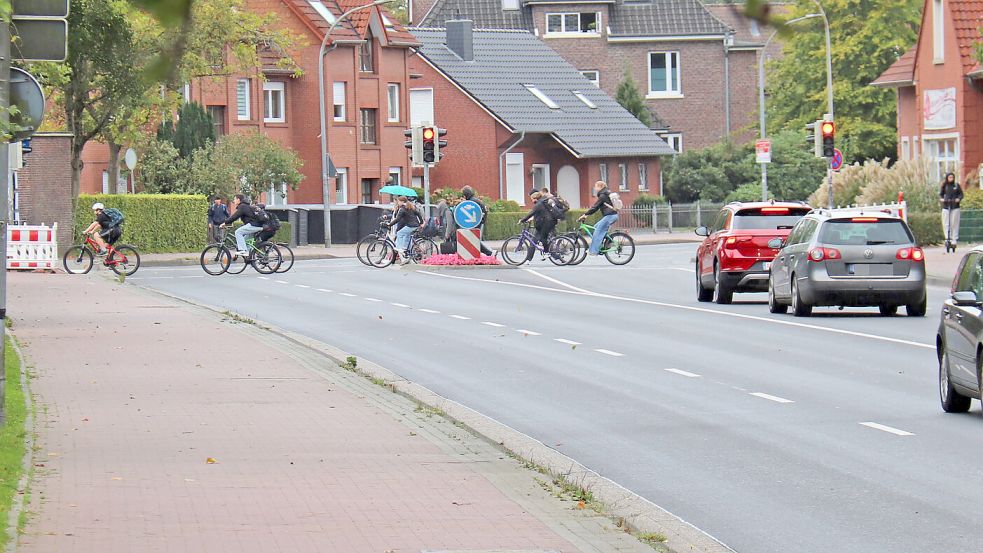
(519,116)
(939,84)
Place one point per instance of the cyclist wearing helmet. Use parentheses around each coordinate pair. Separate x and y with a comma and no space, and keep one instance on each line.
(108,233)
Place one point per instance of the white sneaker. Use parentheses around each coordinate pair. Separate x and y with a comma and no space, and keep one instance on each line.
(243,253)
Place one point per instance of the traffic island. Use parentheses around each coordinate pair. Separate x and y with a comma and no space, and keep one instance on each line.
(454,261)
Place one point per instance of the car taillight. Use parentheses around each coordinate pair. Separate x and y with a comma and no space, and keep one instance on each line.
(732,241)
(819,254)
(914,254)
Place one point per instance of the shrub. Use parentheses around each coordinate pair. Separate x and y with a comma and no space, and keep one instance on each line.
(154,222)
(908,176)
(973,199)
(500,226)
(927,227)
(750,192)
(499,206)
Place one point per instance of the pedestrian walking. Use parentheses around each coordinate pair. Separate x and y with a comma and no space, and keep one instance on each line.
(609,216)
(950,194)
(218,213)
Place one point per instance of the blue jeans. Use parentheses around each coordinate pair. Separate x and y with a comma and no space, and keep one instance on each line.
(600,229)
(403,238)
(241,234)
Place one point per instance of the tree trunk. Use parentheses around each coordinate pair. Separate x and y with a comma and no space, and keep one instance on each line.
(76,168)
(114,184)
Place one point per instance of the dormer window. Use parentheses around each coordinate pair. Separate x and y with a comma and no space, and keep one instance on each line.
(322,10)
(510,4)
(542,97)
(573,23)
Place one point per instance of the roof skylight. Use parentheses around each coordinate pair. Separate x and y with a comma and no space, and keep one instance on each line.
(584,99)
(542,97)
(322,10)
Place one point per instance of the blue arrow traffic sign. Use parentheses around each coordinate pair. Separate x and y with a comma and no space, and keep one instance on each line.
(467,214)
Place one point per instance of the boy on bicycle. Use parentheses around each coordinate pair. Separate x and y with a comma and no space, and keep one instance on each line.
(250,224)
(108,233)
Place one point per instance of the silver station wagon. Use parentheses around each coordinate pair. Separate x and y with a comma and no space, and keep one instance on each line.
(848,259)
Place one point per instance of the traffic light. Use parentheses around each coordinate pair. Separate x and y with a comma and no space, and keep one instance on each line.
(414,144)
(441,144)
(814,137)
(828,129)
(429,144)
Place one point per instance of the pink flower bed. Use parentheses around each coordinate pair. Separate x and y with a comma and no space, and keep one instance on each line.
(454,259)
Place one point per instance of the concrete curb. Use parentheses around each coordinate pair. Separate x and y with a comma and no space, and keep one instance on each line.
(636,512)
(452,268)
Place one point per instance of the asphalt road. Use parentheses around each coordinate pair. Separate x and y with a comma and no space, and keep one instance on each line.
(771,433)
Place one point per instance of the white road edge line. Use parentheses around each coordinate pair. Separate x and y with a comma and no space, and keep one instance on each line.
(888,429)
(683,373)
(770,397)
(429,311)
(496,325)
(301,286)
(281,281)
(347,294)
(567,342)
(555,281)
(460,317)
(529,332)
(263,278)
(609,352)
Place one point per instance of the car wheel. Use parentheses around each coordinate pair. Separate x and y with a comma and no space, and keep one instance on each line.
(773,305)
(702,294)
(721,293)
(888,310)
(799,307)
(952,401)
(918,309)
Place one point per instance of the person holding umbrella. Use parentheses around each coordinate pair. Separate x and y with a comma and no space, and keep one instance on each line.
(406,220)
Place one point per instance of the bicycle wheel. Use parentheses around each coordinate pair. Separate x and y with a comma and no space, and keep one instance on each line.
(237,263)
(619,248)
(562,251)
(515,250)
(215,259)
(580,248)
(380,254)
(124,261)
(77,260)
(423,248)
(267,259)
(287,262)
(362,245)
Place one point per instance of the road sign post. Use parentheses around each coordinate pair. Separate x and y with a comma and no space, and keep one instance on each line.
(469,243)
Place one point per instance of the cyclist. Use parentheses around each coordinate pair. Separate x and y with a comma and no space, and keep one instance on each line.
(542,217)
(250,222)
(270,227)
(407,220)
(608,212)
(108,232)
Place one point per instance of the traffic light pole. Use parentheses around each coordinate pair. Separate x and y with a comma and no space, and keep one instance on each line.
(426,190)
(4,203)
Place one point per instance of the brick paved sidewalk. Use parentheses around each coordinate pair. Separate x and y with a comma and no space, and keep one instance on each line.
(136,392)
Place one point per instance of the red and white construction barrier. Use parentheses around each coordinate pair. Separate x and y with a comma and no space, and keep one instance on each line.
(469,243)
(32,246)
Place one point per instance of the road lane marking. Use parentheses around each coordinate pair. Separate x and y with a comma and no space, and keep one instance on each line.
(263,278)
(399,305)
(504,282)
(323,290)
(191,276)
(555,281)
(683,373)
(347,294)
(281,281)
(770,397)
(684,269)
(429,311)
(371,299)
(567,342)
(884,428)
(301,286)
(609,352)
(460,317)
(496,325)
(529,332)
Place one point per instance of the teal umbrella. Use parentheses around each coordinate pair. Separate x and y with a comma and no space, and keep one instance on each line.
(397,190)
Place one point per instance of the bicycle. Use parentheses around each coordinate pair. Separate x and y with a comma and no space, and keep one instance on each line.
(382,252)
(618,246)
(287,259)
(364,243)
(520,248)
(221,257)
(123,260)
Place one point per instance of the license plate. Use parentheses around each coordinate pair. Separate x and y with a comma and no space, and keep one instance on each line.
(766,265)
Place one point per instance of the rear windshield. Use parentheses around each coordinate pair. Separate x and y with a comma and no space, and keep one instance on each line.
(768,217)
(853,232)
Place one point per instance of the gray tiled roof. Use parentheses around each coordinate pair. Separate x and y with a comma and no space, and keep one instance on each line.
(486,14)
(505,61)
(663,18)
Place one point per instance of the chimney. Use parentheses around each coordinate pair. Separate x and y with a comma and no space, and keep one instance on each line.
(460,39)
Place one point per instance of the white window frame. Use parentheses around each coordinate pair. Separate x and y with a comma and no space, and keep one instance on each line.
(938,32)
(669,93)
(595,80)
(398,171)
(274,95)
(643,177)
(602,169)
(624,185)
(243,100)
(340,93)
(277,197)
(905,148)
(674,140)
(421,106)
(949,162)
(341,185)
(576,32)
(915,147)
(392,94)
(545,168)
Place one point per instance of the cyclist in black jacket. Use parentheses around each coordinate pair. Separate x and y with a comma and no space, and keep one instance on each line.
(406,221)
(250,224)
(542,218)
(609,216)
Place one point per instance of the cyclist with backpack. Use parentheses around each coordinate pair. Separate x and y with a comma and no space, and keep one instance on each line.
(544,220)
(270,227)
(252,222)
(110,225)
(608,203)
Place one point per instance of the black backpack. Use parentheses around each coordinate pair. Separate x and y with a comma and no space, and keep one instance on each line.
(555,205)
(260,215)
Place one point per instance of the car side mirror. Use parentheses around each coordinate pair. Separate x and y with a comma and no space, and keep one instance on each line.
(776,243)
(702,231)
(965,298)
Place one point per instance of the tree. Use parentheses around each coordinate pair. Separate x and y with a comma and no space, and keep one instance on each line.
(631,99)
(162,170)
(867,37)
(246,163)
(710,174)
(794,172)
(193,130)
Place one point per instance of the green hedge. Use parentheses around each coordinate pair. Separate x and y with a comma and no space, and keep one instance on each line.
(927,227)
(500,226)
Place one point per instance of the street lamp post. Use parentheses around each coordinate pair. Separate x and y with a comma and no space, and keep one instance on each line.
(325,190)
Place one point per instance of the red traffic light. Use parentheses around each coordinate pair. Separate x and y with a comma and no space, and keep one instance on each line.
(828,128)
(428,133)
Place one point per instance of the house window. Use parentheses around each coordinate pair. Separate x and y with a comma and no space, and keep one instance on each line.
(365,56)
(905,148)
(542,97)
(938,31)
(368,126)
(593,76)
(367,185)
(421,106)
(675,141)
(603,169)
(274,102)
(339,101)
(664,73)
(573,22)
(944,155)
(623,169)
(394,176)
(393,90)
(540,176)
(217,114)
(186,92)
(277,195)
(643,177)
(242,100)
(914,147)
(341,185)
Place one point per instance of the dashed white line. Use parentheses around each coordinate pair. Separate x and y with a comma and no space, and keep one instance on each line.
(770,397)
(460,317)
(191,276)
(429,311)
(496,325)
(565,341)
(889,429)
(609,352)
(399,304)
(324,290)
(281,281)
(347,294)
(529,332)
(301,286)
(681,372)
(371,299)
(263,278)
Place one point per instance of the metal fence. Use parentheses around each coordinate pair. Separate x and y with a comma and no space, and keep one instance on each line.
(669,217)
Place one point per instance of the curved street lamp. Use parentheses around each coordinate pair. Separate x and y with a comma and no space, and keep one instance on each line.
(324,131)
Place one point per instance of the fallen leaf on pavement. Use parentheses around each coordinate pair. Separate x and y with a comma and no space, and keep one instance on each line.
(210,461)
(581,504)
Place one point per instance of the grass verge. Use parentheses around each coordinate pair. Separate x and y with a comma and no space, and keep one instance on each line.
(12,440)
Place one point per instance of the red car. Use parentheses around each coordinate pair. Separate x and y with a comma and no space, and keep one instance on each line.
(734,256)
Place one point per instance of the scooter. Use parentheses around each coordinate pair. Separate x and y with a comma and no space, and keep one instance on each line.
(950,244)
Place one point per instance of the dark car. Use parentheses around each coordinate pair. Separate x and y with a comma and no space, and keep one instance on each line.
(848,259)
(735,256)
(959,341)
